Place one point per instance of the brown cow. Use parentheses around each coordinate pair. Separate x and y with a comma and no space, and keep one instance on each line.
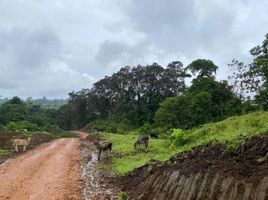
(103,146)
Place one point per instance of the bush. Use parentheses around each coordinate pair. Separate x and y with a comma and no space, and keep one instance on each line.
(110,126)
(17,126)
(120,131)
(52,128)
(146,128)
(179,137)
(161,131)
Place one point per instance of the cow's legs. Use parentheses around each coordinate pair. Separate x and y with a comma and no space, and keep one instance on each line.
(99,155)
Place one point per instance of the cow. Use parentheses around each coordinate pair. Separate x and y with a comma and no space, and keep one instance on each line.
(20,142)
(99,129)
(143,139)
(154,135)
(103,146)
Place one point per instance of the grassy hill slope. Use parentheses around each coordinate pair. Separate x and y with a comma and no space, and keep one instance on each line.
(231,132)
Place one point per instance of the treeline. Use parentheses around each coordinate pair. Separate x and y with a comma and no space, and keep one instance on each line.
(16,114)
(130,96)
(159,96)
(43,102)
(154,96)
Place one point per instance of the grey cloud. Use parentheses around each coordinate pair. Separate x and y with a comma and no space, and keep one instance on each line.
(181,24)
(91,38)
(29,48)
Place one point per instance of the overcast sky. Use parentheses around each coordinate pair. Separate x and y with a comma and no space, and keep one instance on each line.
(52,47)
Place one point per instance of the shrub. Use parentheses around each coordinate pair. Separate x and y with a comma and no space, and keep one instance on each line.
(146,128)
(179,137)
(110,126)
(120,131)
(52,128)
(17,126)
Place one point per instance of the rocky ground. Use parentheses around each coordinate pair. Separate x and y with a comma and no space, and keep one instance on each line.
(95,175)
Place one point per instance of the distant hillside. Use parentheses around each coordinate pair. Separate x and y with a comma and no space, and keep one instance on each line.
(49,103)
(43,102)
(3,101)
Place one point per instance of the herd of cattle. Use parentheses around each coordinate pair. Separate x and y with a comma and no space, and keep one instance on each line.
(101,146)
(106,145)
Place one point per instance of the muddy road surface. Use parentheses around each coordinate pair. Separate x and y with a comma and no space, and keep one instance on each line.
(50,171)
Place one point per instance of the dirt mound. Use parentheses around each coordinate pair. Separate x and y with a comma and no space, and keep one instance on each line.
(248,163)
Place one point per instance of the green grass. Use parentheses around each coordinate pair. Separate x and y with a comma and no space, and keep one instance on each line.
(232,132)
(125,158)
(3,152)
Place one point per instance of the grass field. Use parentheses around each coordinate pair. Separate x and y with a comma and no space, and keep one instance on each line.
(232,132)
(125,158)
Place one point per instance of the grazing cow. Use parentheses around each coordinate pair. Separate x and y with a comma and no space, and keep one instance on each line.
(20,142)
(99,129)
(103,146)
(143,139)
(154,135)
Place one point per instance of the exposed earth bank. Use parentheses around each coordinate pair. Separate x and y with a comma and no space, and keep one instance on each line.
(206,172)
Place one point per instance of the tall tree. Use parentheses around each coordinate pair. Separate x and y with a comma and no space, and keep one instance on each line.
(204,68)
(254,76)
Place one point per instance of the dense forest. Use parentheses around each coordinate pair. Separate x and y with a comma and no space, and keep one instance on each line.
(43,102)
(154,96)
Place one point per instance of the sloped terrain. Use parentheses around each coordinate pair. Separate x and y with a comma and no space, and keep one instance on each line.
(206,172)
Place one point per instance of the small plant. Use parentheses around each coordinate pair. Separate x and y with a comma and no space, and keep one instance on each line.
(3,152)
(123,196)
(120,131)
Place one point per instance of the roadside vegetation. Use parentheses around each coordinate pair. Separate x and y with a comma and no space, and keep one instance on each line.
(125,158)
(231,132)
(3,152)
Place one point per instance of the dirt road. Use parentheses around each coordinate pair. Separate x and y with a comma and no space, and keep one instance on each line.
(51,171)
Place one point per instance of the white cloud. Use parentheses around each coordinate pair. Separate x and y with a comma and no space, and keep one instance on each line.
(49,48)
(55,80)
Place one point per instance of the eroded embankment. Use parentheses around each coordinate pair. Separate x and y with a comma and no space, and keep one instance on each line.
(207,172)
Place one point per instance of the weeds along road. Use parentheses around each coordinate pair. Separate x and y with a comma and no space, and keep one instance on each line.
(50,171)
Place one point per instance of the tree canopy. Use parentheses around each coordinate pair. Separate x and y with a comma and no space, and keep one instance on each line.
(204,68)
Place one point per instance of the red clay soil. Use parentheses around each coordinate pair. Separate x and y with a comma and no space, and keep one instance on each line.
(249,161)
(80,134)
(50,171)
